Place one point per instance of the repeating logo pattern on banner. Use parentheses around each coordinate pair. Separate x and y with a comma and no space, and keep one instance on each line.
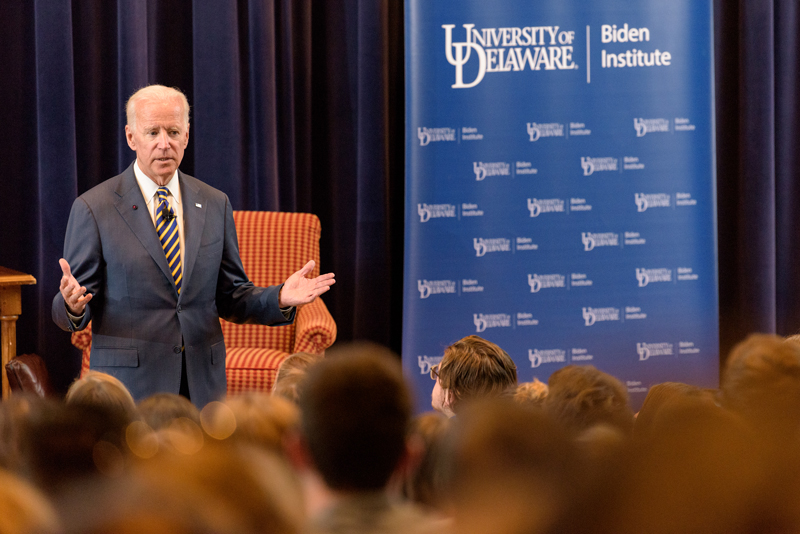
(560,187)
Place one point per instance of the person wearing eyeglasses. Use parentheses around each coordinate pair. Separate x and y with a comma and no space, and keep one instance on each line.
(471,368)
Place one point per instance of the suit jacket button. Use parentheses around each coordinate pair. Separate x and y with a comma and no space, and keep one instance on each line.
(179,309)
(176,350)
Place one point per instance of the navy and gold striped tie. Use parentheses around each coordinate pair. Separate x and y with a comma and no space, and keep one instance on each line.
(167,230)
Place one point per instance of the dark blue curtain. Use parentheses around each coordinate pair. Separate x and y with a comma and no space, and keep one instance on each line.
(758,191)
(298,106)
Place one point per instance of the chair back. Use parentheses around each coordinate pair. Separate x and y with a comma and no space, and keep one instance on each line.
(272,245)
(27,373)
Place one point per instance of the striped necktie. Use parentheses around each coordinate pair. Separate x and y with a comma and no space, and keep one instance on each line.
(167,230)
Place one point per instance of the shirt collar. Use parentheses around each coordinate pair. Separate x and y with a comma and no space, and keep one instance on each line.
(149,187)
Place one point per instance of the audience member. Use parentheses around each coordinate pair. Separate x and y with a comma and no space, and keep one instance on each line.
(161,409)
(660,397)
(532,393)
(101,389)
(223,488)
(262,420)
(702,471)
(514,470)
(425,479)
(291,372)
(580,397)
(14,412)
(761,382)
(472,368)
(23,509)
(67,444)
(355,411)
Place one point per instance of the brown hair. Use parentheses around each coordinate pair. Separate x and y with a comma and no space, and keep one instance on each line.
(761,380)
(581,396)
(355,409)
(473,367)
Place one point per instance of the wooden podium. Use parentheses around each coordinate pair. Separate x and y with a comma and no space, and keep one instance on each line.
(10,309)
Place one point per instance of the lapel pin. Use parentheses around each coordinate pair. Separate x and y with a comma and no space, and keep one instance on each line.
(134,207)
(198,205)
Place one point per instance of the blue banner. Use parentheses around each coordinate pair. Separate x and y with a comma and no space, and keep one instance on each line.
(560,188)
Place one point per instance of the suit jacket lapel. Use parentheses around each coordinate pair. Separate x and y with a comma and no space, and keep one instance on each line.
(194,220)
(139,221)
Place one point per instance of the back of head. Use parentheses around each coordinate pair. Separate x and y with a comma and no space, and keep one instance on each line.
(702,471)
(63,444)
(222,488)
(262,420)
(101,389)
(24,510)
(474,368)
(424,482)
(291,373)
(660,398)
(514,470)
(355,411)
(532,393)
(161,409)
(581,396)
(761,381)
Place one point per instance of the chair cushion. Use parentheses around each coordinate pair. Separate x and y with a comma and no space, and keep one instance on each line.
(252,369)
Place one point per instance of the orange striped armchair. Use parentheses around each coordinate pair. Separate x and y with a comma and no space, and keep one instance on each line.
(272,245)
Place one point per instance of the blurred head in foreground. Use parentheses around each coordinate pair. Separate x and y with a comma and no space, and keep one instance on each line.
(761,383)
(513,469)
(581,397)
(355,411)
(291,373)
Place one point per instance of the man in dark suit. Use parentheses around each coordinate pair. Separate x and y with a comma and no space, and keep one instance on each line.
(151,257)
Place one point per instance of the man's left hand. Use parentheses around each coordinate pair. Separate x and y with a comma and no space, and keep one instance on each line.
(298,289)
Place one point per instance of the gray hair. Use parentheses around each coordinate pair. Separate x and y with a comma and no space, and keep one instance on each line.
(155,93)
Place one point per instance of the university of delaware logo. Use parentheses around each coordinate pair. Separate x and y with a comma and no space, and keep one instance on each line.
(426,362)
(538,357)
(428,135)
(482,170)
(427,288)
(492,320)
(649,350)
(593,165)
(506,50)
(646,126)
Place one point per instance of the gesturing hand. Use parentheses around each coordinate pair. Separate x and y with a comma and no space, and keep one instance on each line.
(298,289)
(74,294)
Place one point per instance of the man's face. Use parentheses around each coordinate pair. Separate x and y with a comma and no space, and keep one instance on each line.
(440,400)
(159,136)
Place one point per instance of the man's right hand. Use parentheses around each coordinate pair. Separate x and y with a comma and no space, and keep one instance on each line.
(74,294)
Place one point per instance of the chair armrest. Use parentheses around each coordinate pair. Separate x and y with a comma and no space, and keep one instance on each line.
(315,329)
(83,341)
(83,338)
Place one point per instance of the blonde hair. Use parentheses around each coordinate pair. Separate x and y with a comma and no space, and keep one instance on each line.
(101,389)
(155,93)
(532,393)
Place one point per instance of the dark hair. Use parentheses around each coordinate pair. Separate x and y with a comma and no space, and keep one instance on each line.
(473,367)
(581,396)
(355,410)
